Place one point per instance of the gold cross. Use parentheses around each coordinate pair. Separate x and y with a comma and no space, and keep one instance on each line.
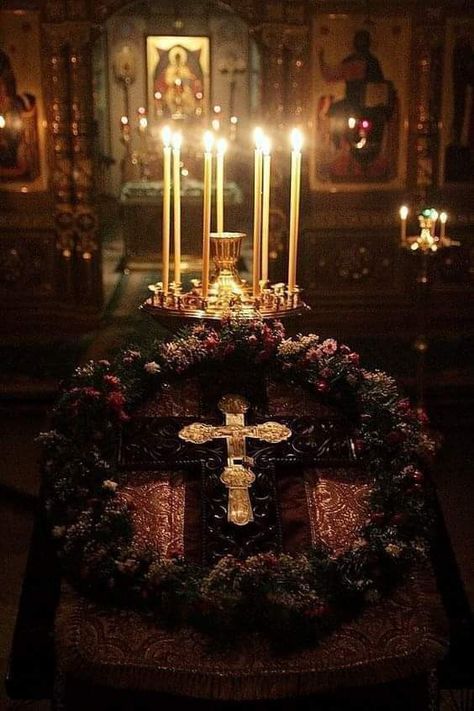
(237,475)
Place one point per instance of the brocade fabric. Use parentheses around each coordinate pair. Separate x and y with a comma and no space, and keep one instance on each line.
(398,637)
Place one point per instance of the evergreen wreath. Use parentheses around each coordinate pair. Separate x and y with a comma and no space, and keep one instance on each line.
(287,598)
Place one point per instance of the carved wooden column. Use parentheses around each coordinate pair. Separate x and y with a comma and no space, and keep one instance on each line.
(285,89)
(284,51)
(88,268)
(67,58)
(424,139)
(273,79)
(298,74)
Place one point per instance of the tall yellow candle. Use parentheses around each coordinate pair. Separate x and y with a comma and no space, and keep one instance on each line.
(265,206)
(166,136)
(206,219)
(296,142)
(257,209)
(403,224)
(443,219)
(221,149)
(434,218)
(177,140)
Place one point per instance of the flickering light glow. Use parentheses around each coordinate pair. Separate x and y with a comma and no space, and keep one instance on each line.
(208,141)
(443,219)
(258,137)
(403,226)
(351,122)
(123,120)
(143,122)
(266,146)
(434,218)
(296,140)
(177,140)
(2,121)
(221,146)
(166,136)
(234,119)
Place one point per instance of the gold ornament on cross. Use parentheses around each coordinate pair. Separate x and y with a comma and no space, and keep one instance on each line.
(237,475)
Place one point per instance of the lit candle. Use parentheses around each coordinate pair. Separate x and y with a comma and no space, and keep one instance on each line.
(177,139)
(221,149)
(296,142)
(443,219)
(124,127)
(166,136)
(403,226)
(142,119)
(434,217)
(265,206)
(257,209)
(206,220)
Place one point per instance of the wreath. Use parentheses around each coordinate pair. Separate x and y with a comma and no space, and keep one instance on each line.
(285,597)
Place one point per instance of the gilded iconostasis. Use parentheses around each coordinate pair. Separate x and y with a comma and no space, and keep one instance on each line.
(383,96)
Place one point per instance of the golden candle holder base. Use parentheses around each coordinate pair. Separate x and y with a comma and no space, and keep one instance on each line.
(426,241)
(229,296)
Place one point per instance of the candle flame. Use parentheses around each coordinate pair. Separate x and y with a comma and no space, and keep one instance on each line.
(166,136)
(266,145)
(258,137)
(208,141)
(2,122)
(434,214)
(123,120)
(403,212)
(443,217)
(177,140)
(296,140)
(221,146)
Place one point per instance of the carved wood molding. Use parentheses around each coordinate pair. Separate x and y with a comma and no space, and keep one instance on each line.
(67,69)
(426,80)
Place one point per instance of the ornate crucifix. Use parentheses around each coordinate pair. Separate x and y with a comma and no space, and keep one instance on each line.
(237,475)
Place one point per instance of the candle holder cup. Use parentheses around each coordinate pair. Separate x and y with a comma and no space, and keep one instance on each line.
(229,295)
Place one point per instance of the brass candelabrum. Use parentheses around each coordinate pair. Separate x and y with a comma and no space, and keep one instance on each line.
(229,296)
(424,245)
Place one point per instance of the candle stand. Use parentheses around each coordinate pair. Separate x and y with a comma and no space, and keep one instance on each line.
(229,296)
(424,246)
